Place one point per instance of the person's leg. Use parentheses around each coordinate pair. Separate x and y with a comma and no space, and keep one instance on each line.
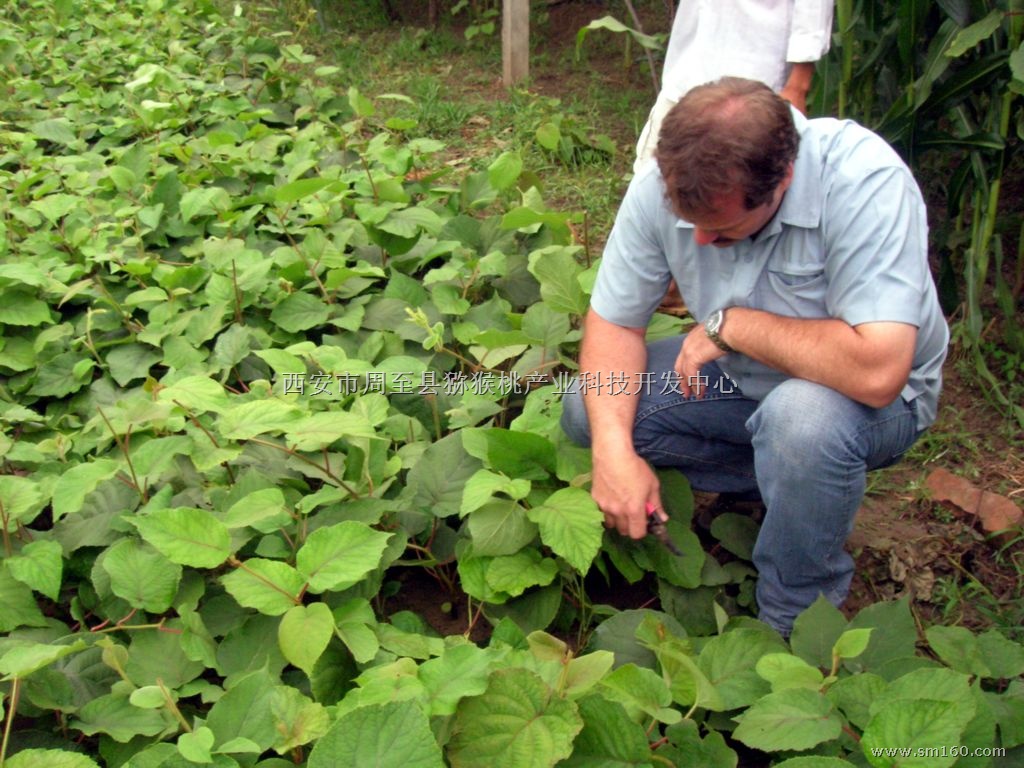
(812,450)
(703,437)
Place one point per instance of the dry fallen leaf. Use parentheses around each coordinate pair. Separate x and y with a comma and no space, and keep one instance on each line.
(995,512)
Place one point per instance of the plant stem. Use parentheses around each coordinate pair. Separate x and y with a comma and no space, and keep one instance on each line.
(326,470)
(123,446)
(647,51)
(238,294)
(198,425)
(173,707)
(11,709)
(6,534)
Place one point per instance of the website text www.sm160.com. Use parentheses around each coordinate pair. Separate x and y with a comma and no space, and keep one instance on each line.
(943,751)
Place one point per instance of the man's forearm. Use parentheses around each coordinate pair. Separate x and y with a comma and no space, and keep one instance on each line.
(623,485)
(869,363)
(607,349)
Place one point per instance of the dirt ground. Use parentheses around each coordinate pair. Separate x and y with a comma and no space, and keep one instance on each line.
(905,541)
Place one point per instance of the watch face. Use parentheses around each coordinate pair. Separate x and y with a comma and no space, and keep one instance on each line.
(714,321)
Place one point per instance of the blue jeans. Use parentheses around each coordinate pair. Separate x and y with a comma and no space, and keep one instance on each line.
(806,448)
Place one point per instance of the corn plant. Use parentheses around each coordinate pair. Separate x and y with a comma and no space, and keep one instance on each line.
(941,82)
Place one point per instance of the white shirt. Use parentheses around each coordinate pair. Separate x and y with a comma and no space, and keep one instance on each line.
(756,39)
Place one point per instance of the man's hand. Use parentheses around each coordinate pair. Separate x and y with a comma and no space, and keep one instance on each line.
(623,486)
(798,85)
(696,352)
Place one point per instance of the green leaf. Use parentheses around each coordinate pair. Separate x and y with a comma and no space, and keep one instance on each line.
(584,672)
(245,712)
(21,499)
(737,533)
(918,726)
(197,393)
(854,696)
(23,660)
(960,649)
(572,525)
(517,721)
(500,528)
(793,719)
(687,682)
(20,308)
(304,634)
(640,690)
(360,639)
(296,190)
(504,171)
(196,746)
(612,24)
(187,536)
(895,639)
(391,735)
(148,697)
(321,429)
(203,201)
(338,556)
(783,670)
(361,105)
(514,574)
(852,643)
(265,510)
(618,634)
(730,662)
(50,758)
(132,361)
(258,417)
(297,719)
(460,672)
(141,575)
(269,586)
(437,480)
(300,312)
(522,455)
(557,270)
(59,130)
(482,486)
(159,657)
(77,482)
(114,716)
(1004,657)
(40,566)
(17,606)
(548,136)
(815,632)
(814,761)
(609,738)
(977,33)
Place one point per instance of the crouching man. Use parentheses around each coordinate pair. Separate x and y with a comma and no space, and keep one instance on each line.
(800,247)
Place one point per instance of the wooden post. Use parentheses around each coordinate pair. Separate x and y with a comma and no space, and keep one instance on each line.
(515,41)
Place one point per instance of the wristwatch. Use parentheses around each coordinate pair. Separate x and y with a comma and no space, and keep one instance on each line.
(713,326)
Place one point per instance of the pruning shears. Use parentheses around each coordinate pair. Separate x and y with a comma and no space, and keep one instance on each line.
(656,527)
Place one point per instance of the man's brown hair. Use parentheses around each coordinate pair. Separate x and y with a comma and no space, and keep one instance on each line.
(730,134)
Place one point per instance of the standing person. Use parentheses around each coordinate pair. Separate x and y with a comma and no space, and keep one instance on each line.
(774,41)
(800,247)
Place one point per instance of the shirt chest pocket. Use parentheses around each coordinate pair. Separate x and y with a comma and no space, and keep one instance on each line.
(795,288)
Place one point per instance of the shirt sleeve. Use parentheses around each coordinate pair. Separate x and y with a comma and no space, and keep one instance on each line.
(634,274)
(810,31)
(877,244)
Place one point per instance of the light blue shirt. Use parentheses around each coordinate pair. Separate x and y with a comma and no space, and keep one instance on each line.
(849,241)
